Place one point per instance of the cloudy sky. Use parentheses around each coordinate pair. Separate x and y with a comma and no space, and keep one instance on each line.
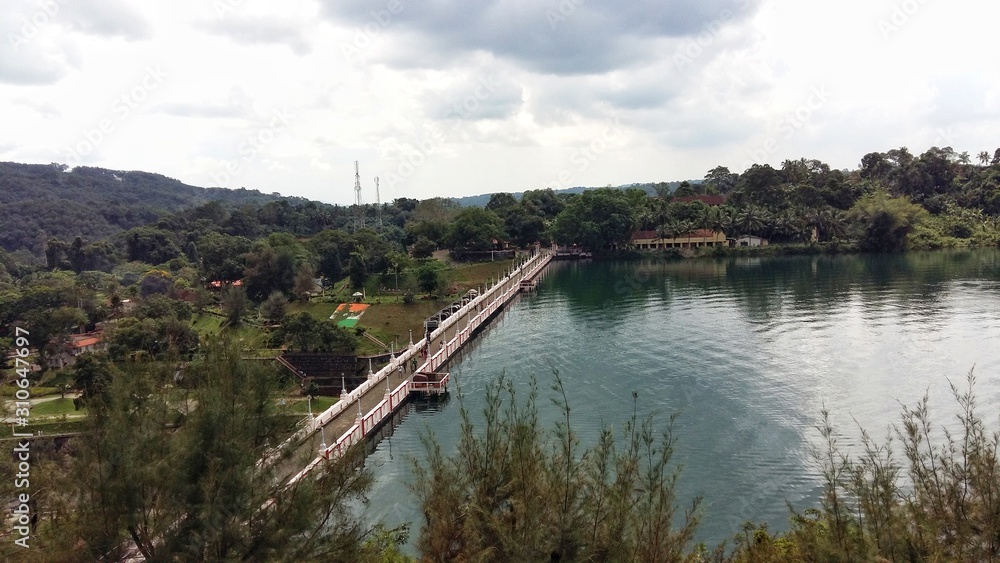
(457,98)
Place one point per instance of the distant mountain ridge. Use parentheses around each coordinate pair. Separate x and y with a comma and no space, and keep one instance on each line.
(649,187)
(41,201)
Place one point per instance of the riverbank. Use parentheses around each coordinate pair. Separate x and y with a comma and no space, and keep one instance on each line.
(777,249)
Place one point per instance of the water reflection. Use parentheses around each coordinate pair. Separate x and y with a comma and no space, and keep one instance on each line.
(749,350)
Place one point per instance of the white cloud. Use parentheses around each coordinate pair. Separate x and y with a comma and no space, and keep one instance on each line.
(451,98)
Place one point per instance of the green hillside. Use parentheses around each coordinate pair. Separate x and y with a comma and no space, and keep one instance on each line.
(42,201)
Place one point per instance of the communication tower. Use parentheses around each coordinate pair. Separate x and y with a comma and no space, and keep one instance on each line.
(359,209)
(378,203)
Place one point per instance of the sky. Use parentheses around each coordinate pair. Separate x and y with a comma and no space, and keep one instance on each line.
(441,98)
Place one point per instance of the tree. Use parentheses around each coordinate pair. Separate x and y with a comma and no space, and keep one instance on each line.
(685,189)
(268,270)
(75,255)
(720,180)
(523,228)
(357,269)
(759,185)
(475,229)
(543,203)
(274,308)
(750,220)
(54,250)
(429,276)
(304,281)
(423,247)
(92,375)
(151,245)
(885,221)
(502,203)
(191,487)
(222,256)
(515,491)
(596,219)
(331,247)
(305,332)
(398,262)
(234,305)
(47,326)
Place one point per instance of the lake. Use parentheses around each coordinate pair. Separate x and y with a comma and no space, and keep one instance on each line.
(748,350)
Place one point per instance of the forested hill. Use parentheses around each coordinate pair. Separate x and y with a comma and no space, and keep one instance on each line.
(650,188)
(42,201)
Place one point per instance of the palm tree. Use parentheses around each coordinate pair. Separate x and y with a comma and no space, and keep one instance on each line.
(750,220)
(984,157)
(787,225)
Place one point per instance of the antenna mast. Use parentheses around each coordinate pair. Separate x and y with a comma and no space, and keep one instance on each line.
(359,210)
(378,201)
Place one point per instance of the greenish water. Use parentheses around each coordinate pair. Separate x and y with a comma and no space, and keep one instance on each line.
(749,350)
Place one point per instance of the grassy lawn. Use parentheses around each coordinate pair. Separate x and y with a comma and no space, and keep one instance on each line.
(389,320)
(55,407)
(36,390)
(207,324)
(318,309)
(301,406)
(469,276)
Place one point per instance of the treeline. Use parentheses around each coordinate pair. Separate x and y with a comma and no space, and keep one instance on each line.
(893,201)
(279,249)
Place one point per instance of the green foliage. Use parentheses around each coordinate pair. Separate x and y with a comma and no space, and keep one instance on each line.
(269,270)
(542,203)
(429,276)
(524,228)
(423,247)
(885,221)
(305,332)
(938,501)
(475,229)
(514,492)
(596,219)
(357,269)
(156,338)
(304,284)
(182,482)
(92,374)
(222,256)
(274,308)
(151,245)
(331,248)
(234,305)
(161,306)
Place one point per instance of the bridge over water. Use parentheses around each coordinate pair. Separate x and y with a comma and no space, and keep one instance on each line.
(362,411)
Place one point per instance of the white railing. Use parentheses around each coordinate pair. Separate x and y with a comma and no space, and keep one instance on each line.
(496,296)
